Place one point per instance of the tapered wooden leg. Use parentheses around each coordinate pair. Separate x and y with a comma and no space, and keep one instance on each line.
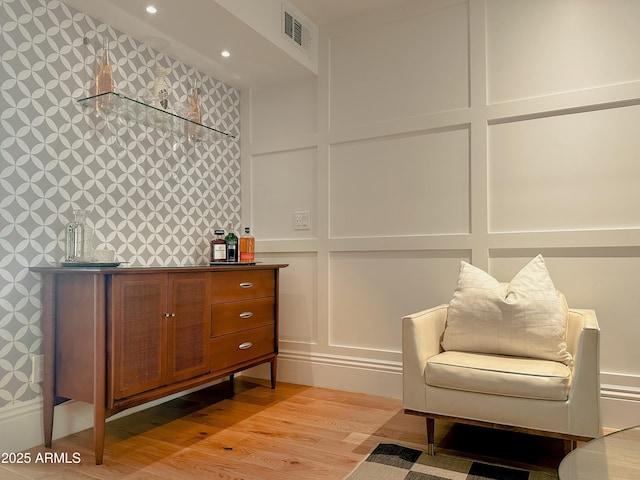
(431,424)
(99,366)
(48,349)
(98,432)
(274,368)
(47,417)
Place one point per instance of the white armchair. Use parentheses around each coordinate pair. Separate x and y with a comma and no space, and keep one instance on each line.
(535,396)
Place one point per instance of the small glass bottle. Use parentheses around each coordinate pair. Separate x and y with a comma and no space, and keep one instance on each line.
(232,245)
(74,236)
(104,79)
(193,101)
(247,246)
(218,247)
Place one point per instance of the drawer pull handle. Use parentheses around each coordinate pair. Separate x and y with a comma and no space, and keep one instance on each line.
(245,346)
(246,285)
(246,315)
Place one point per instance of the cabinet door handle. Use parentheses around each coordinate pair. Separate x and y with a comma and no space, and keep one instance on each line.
(167,315)
(245,345)
(246,285)
(246,315)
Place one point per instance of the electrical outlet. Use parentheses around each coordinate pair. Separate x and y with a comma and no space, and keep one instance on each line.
(37,368)
(301,220)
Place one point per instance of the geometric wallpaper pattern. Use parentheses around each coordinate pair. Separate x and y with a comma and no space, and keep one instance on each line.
(154,198)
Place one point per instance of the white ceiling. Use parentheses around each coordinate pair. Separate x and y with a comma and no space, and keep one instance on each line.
(195,31)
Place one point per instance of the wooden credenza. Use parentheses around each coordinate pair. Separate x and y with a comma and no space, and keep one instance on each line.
(121,337)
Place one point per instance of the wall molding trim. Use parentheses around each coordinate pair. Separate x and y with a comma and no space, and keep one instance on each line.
(340,372)
(616,387)
(341,361)
(620,392)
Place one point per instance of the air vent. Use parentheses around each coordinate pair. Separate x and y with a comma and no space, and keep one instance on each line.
(292,28)
(296,30)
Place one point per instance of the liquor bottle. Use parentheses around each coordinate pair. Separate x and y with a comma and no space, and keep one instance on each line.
(193,131)
(247,246)
(160,89)
(218,247)
(74,236)
(104,79)
(232,245)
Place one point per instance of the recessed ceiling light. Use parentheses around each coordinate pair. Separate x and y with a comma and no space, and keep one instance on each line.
(225,53)
(151,9)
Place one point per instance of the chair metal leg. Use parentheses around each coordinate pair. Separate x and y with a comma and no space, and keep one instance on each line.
(431,447)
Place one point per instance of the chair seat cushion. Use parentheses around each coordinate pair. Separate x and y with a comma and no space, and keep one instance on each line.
(499,375)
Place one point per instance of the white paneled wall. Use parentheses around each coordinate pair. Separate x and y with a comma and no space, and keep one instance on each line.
(283,182)
(565,172)
(390,186)
(368,289)
(549,47)
(447,130)
(375,65)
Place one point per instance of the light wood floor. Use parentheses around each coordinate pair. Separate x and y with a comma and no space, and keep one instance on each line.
(292,432)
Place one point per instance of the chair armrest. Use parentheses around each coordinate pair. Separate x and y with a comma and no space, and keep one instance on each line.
(583,339)
(421,336)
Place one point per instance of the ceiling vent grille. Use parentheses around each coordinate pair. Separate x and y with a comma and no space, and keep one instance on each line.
(295,30)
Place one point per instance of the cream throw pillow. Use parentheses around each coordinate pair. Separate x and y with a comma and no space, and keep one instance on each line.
(526,318)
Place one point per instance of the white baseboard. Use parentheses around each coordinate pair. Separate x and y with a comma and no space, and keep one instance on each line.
(353,374)
(21,424)
(620,403)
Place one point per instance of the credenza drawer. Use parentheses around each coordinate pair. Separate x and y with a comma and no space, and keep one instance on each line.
(242,285)
(236,348)
(233,317)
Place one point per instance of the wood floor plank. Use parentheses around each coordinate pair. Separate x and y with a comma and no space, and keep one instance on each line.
(293,431)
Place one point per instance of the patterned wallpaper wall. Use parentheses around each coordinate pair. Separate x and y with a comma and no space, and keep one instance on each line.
(154,198)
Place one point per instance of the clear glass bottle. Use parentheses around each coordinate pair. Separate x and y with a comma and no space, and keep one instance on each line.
(104,79)
(218,247)
(232,245)
(193,114)
(74,236)
(247,246)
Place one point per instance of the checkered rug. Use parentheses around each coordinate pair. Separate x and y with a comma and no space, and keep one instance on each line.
(393,462)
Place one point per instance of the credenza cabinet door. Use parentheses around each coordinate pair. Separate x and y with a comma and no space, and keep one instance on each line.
(161,329)
(138,333)
(189,325)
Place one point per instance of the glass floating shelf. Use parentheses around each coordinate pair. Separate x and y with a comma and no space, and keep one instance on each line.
(121,106)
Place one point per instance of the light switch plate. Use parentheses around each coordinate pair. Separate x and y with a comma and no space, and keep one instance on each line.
(301,220)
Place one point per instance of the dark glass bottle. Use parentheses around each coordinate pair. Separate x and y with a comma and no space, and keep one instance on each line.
(218,247)
(232,245)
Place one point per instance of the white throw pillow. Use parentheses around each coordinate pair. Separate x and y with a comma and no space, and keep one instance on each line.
(526,318)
